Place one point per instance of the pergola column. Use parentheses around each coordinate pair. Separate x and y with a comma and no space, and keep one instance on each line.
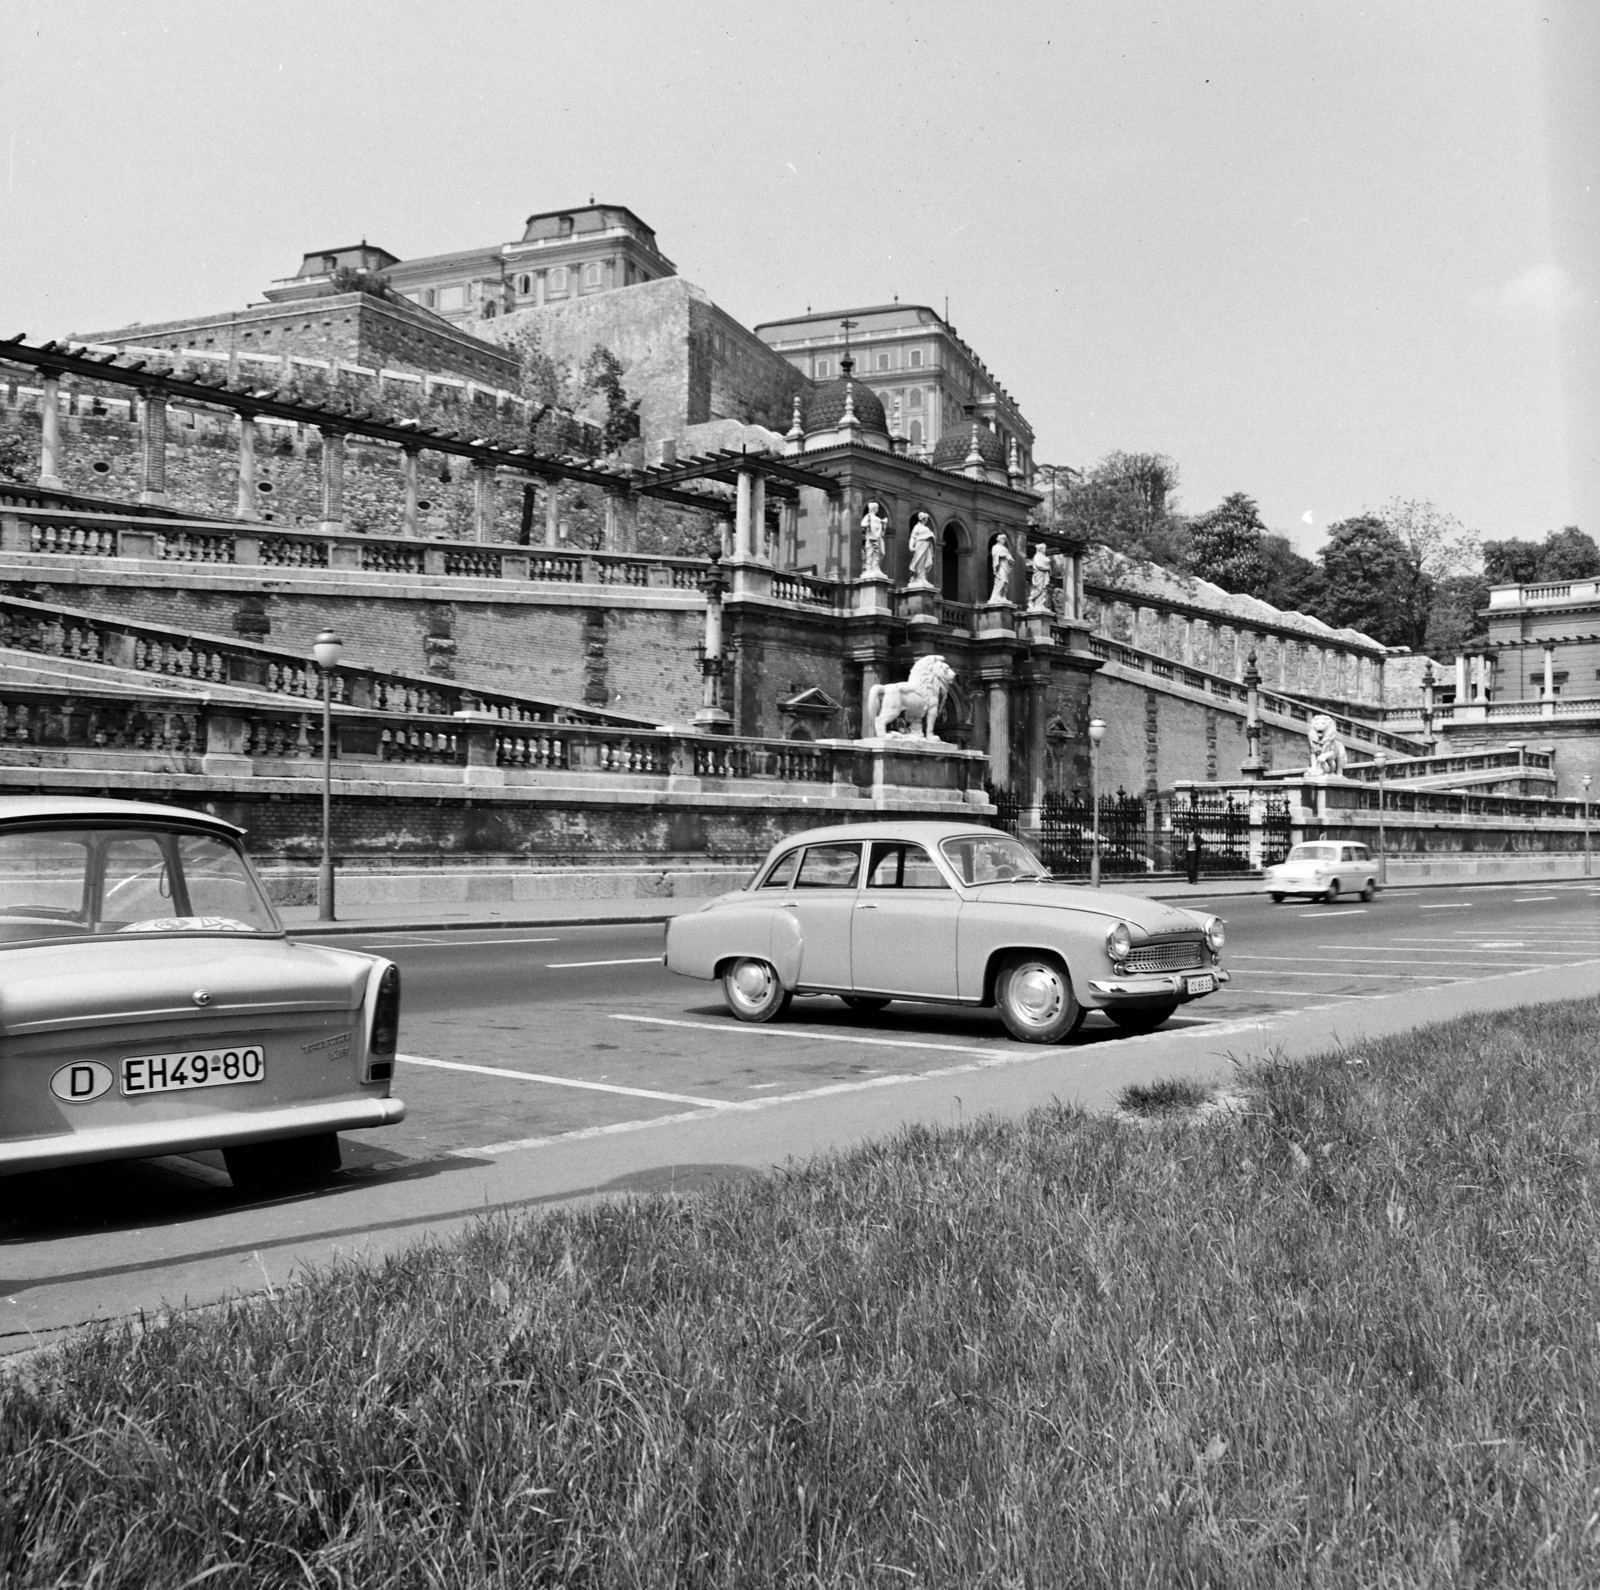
(758,517)
(245,507)
(153,481)
(332,480)
(484,492)
(409,512)
(50,433)
(552,515)
(744,505)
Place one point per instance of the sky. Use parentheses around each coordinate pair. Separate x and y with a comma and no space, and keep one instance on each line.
(1322,253)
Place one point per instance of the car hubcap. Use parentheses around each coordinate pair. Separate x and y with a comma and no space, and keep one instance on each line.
(1038,994)
(751,981)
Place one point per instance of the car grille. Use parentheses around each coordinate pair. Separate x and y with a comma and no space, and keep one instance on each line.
(1178,956)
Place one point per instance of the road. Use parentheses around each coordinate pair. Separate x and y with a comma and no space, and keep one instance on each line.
(525,1051)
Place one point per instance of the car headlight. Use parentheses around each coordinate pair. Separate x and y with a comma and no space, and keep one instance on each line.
(1216,934)
(1119,941)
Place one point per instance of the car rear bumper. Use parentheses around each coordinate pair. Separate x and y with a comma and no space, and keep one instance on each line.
(1174,985)
(141,1140)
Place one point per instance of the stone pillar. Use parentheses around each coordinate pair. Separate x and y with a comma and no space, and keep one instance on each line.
(743,535)
(1036,747)
(484,491)
(332,480)
(872,670)
(50,433)
(758,517)
(246,504)
(1461,679)
(552,515)
(999,734)
(1549,671)
(1251,767)
(153,482)
(410,514)
(1429,738)
(712,716)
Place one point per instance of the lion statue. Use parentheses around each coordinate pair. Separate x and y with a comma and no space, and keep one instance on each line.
(918,700)
(1327,749)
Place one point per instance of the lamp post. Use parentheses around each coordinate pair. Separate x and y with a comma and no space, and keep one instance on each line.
(326,649)
(1097,732)
(1382,758)
(1588,858)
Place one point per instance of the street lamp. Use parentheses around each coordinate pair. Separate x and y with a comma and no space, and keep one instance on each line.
(1382,758)
(1588,859)
(1097,732)
(326,649)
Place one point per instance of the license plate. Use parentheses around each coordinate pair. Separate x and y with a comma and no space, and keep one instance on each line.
(1203,984)
(195,1068)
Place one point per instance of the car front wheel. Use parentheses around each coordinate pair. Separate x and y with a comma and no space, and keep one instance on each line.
(1277,899)
(1035,998)
(754,991)
(1370,890)
(1332,895)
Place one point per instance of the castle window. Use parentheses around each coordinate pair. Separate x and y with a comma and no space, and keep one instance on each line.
(916,397)
(591,274)
(489,311)
(916,358)
(558,279)
(429,297)
(883,361)
(822,368)
(524,284)
(565,226)
(916,431)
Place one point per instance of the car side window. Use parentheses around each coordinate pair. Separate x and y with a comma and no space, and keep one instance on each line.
(782,874)
(829,867)
(900,866)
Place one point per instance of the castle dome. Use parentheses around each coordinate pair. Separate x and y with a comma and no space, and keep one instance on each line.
(951,450)
(825,410)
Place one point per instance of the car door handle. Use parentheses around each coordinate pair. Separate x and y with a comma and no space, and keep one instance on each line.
(865,905)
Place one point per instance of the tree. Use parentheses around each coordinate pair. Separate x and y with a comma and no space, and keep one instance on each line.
(17,460)
(1374,582)
(1453,617)
(1289,581)
(1124,503)
(1225,545)
(602,375)
(1569,554)
(1511,562)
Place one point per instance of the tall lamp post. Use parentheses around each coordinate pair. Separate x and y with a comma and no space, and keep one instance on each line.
(1382,758)
(1097,732)
(1588,858)
(326,649)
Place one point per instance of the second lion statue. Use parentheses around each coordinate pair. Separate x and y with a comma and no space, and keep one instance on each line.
(918,699)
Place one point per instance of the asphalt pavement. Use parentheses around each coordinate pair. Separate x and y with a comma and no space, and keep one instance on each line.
(544,1064)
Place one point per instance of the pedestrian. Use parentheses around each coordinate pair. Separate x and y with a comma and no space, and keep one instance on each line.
(1191,856)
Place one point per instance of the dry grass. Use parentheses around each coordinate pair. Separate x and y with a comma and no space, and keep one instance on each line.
(1345,1338)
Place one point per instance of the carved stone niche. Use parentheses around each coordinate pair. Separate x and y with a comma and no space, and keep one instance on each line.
(251,620)
(810,714)
(438,645)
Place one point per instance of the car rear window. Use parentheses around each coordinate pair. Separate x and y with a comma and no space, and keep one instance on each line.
(829,867)
(902,866)
(80,882)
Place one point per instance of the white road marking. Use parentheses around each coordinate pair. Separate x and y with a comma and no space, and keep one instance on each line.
(1528,899)
(1359,910)
(1354,977)
(1457,954)
(633,960)
(1464,906)
(558,1082)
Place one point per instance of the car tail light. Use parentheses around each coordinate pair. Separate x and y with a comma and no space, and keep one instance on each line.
(385,1026)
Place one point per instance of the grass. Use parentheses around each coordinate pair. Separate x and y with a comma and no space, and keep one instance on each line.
(1347,1336)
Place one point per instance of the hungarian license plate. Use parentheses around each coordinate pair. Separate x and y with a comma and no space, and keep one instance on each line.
(1203,984)
(194,1068)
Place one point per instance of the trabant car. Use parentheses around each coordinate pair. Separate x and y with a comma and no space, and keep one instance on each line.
(151,1003)
(947,912)
(1323,870)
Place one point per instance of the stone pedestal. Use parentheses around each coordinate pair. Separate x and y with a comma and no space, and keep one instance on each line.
(899,767)
(750,576)
(1036,625)
(996,618)
(919,603)
(871,594)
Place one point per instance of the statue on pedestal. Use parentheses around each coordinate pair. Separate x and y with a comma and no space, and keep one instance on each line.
(1327,749)
(918,700)
(923,539)
(1039,579)
(874,540)
(1000,561)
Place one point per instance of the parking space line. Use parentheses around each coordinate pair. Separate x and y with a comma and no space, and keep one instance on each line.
(560,1082)
(634,960)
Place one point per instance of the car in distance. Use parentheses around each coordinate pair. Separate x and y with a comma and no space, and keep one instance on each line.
(947,912)
(1324,869)
(151,1003)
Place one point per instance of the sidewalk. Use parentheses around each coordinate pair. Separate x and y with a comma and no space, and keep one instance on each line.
(301,920)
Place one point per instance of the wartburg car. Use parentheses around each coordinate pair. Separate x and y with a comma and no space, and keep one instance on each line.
(947,912)
(1323,870)
(150,1002)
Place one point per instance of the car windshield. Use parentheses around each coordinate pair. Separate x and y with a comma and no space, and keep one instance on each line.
(1313,853)
(79,881)
(992,858)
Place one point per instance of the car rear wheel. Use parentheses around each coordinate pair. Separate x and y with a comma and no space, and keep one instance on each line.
(1277,899)
(754,991)
(1035,998)
(866,1003)
(1370,890)
(1331,897)
(1145,1019)
(289,1162)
